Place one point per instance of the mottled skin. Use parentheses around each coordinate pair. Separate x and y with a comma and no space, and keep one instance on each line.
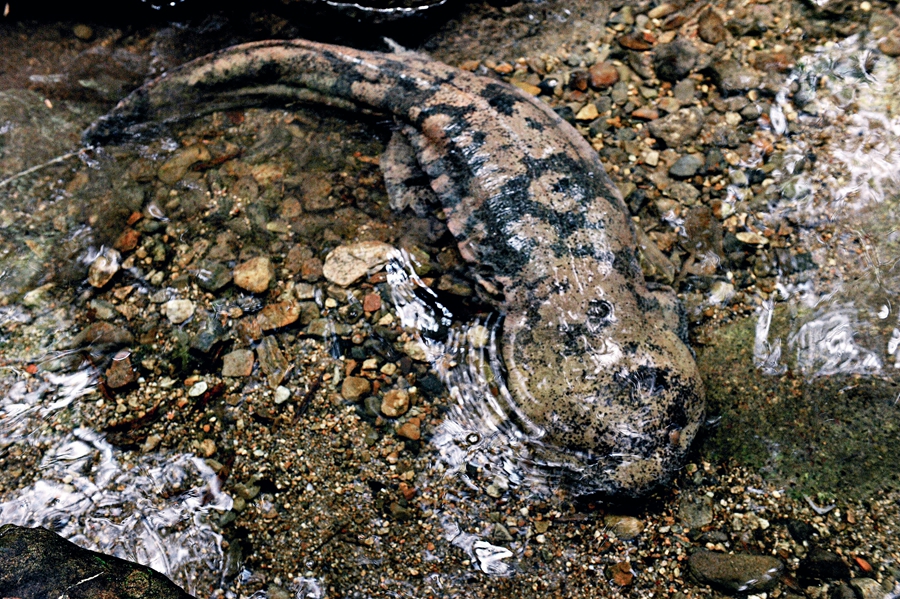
(594,360)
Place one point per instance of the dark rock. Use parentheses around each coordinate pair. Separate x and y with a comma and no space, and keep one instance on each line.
(566,113)
(36,563)
(843,591)
(674,61)
(213,275)
(736,573)
(715,161)
(686,166)
(821,564)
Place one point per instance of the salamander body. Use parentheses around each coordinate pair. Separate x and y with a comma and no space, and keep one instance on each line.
(593,357)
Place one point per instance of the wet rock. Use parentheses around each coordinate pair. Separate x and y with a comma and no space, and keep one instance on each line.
(355,388)
(280,314)
(624,527)
(207,448)
(282,394)
(695,511)
(178,310)
(890,45)
(83,32)
(801,531)
(120,373)
(101,334)
(587,113)
(679,127)
(317,195)
(602,75)
(238,363)
(684,91)
(736,573)
(686,166)
(128,240)
(272,361)
(372,302)
(635,41)
(325,327)
(684,193)
(410,430)
(867,588)
(674,61)
(732,78)
(711,27)
(347,264)
(213,275)
(715,161)
(823,565)
(254,275)
(395,403)
(103,268)
(175,168)
(37,563)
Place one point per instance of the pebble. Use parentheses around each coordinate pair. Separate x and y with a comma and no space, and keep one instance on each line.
(679,127)
(602,75)
(395,403)
(736,573)
(83,32)
(686,166)
(103,268)
(198,389)
(254,275)
(733,78)
(682,192)
(282,394)
(751,238)
(238,363)
(100,333)
(128,240)
(711,27)
(673,62)
(587,113)
(410,430)
(624,527)
(213,276)
(272,361)
(175,168)
(823,565)
(355,388)
(890,45)
(326,327)
(120,373)
(867,588)
(277,315)
(695,511)
(178,310)
(207,448)
(347,264)
(372,302)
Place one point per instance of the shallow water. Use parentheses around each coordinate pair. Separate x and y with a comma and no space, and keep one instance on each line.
(166,508)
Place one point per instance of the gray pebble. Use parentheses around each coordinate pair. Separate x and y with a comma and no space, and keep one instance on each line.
(686,166)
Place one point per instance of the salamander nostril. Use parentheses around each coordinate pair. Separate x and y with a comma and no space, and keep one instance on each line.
(599,312)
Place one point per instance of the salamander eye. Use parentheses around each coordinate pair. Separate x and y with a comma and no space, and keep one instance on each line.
(599,313)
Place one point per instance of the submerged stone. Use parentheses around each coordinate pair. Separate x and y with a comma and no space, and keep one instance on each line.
(37,563)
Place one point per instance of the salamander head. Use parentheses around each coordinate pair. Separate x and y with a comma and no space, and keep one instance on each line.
(598,368)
